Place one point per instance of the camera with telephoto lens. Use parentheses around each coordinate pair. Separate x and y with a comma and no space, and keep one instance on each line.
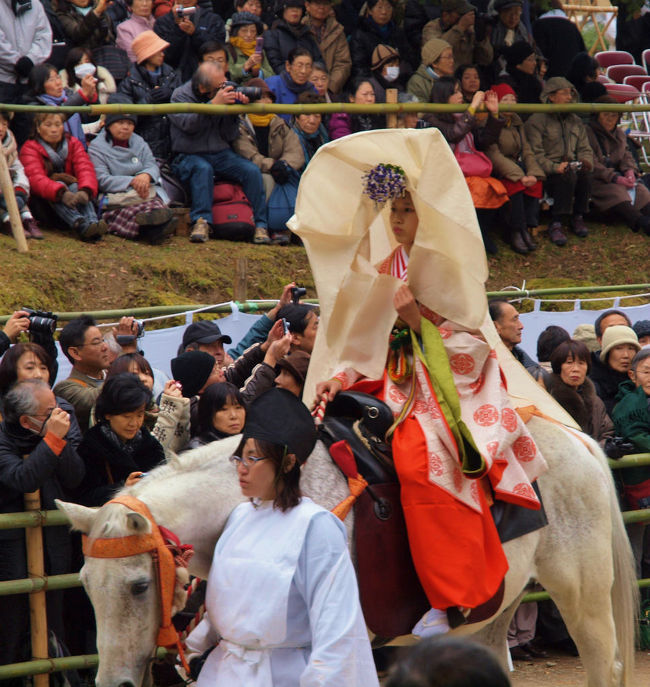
(41,321)
(575,166)
(251,92)
(185,11)
(297,292)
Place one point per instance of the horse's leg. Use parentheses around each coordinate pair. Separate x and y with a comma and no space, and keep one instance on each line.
(495,634)
(578,574)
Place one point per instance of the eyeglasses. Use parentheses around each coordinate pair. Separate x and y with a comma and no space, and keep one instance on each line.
(94,342)
(247,462)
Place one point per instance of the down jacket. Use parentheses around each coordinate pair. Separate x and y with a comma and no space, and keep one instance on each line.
(513,150)
(139,88)
(282,38)
(39,168)
(284,144)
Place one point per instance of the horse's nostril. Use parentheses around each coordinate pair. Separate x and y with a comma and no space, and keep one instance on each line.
(128,683)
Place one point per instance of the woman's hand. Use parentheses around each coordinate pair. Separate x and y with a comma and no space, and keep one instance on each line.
(326,391)
(100,7)
(277,350)
(17,323)
(277,332)
(133,478)
(492,103)
(477,100)
(253,63)
(173,388)
(89,87)
(141,183)
(407,308)
(529,180)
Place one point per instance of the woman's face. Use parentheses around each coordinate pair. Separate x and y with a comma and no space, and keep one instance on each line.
(144,377)
(53,85)
(309,123)
(51,129)
(641,376)
(258,480)
(252,6)
(529,65)
(156,59)
(608,120)
(230,418)
(510,17)
(404,220)
(444,65)
(127,425)
(121,130)
(573,371)
(470,82)
(30,366)
(320,80)
(381,13)
(292,15)
(456,98)
(300,69)
(248,32)
(142,8)
(620,357)
(364,95)
(285,380)
(561,97)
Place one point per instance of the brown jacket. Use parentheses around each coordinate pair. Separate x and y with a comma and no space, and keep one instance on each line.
(511,149)
(463,43)
(612,158)
(284,144)
(335,50)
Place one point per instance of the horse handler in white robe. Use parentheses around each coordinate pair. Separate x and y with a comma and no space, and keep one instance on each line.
(282,602)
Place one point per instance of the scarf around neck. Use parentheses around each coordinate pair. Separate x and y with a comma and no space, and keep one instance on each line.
(57,156)
(73,124)
(247,47)
(293,86)
(261,119)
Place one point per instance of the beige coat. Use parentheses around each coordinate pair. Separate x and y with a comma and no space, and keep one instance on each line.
(466,49)
(284,144)
(335,50)
(511,148)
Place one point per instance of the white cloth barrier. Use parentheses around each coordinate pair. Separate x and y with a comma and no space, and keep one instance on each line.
(161,345)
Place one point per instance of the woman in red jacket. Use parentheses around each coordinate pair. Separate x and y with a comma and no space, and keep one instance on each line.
(61,173)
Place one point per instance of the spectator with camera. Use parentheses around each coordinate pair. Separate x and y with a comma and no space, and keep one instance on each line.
(269,142)
(303,325)
(249,60)
(616,190)
(457,26)
(202,147)
(186,27)
(38,450)
(151,80)
(331,40)
(86,23)
(561,147)
(288,34)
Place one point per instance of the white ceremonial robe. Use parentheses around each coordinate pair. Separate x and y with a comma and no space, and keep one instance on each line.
(283,603)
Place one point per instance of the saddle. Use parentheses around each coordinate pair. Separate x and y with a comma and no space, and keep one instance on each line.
(391,595)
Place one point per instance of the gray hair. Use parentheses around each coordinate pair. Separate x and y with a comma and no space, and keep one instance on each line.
(640,357)
(21,399)
(206,75)
(113,346)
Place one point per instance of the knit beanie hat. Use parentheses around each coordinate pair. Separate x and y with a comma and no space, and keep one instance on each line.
(502,89)
(615,336)
(245,19)
(641,328)
(119,99)
(146,44)
(382,54)
(432,50)
(192,369)
(517,53)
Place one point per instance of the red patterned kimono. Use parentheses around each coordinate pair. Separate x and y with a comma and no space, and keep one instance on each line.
(453,539)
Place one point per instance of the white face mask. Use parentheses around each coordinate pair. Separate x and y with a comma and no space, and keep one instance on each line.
(391,73)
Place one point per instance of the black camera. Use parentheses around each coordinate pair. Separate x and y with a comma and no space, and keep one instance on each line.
(41,321)
(297,292)
(140,324)
(251,92)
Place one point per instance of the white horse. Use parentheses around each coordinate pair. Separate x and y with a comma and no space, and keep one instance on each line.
(582,557)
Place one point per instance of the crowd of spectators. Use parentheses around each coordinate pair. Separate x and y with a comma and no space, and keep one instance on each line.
(127,170)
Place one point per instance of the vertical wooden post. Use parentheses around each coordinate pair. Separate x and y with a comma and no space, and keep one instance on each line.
(36,568)
(391,97)
(12,207)
(239,287)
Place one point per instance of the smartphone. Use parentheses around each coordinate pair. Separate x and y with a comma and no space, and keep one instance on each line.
(285,324)
(259,44)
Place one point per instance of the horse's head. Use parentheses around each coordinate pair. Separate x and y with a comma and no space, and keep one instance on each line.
(124,594)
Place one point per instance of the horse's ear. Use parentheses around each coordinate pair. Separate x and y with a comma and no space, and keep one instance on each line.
(80,517)
(138,523)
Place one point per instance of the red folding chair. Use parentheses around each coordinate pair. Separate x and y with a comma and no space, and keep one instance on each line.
(622,92)
(601,78)
(607,58)
(645,58)
(617,72)
(637,80)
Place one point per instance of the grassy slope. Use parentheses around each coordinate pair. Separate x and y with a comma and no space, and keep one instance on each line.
(61,273)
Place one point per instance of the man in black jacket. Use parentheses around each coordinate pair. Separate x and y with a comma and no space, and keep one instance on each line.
(38,441)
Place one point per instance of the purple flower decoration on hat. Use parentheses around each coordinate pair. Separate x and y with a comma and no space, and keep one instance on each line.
(384,182)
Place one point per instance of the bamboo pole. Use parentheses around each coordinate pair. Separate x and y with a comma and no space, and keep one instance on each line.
(36,569)
(391,117)
(240,281)
(12,206)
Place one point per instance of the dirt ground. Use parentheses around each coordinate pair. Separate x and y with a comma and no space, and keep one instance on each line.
(560,670)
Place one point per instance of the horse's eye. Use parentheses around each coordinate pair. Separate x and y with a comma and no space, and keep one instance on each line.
(138,588)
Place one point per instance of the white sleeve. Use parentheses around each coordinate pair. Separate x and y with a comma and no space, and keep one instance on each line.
(327,582)
(202,637)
